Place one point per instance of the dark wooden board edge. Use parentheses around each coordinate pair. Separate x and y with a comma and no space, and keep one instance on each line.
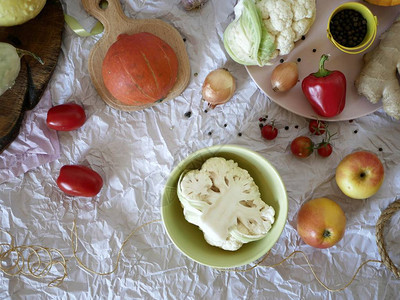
(35,36)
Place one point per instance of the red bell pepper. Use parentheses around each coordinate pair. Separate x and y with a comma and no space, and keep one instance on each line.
(325,90)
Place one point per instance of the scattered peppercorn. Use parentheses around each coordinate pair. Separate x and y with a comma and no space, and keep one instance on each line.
(264,119)
(188,114)
(303,37)
(286,127)
(260,119)
(266,116)
(184,39)
(350,121)
(239,134)
(355,131)
(225,125)
(282,60)
(195,74)
(314,50)
(348,27)
(206,111)
(261,125)
(299,59)
(380,149)
(209,133)
(297,126)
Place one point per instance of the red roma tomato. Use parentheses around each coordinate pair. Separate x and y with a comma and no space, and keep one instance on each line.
(269,132)
(66,117)
(325,150)
(75,180)
(317,127)
(302,146)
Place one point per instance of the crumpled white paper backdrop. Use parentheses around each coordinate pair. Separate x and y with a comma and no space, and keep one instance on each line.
(36,144)
(135,151)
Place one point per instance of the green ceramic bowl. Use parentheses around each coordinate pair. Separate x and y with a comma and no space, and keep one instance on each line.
(189,239)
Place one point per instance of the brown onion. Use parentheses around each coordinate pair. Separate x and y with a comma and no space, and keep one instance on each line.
(218,87)
(284,76)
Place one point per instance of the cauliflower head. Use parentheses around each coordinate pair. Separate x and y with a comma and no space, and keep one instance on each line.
(224,201)
(287,21)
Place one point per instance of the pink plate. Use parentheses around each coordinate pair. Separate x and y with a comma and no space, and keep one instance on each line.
(350,64)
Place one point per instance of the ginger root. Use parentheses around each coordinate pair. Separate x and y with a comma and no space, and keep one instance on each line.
(379,76)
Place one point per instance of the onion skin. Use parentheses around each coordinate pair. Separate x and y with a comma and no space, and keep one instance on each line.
(193,4)
(284,76)
(218,87)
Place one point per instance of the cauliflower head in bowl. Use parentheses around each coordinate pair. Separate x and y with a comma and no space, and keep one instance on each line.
(264,29)
(224,201)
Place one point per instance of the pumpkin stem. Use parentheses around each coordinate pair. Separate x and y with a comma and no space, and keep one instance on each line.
(22,52)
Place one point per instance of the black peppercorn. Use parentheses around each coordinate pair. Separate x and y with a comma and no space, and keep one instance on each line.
(348,27)
(188,114)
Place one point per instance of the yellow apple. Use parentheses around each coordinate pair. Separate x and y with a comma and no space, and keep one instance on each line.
(321,223)
(360,174)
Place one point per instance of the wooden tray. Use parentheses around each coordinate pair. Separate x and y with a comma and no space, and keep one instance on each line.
(42,36)
(116,22)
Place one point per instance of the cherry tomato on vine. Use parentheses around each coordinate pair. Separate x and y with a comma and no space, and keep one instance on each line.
(302,147)
(269,132)
(75,180)
(325,149)
(66,117)
(317,127)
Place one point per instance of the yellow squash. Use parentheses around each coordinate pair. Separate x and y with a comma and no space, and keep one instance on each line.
(384,2)
(16,12)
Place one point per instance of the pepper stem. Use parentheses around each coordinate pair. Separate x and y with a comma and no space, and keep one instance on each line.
(22,52)
(322,72)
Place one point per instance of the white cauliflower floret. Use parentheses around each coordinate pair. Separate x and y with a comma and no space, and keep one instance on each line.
(287,20)
(303,9)
(284,41)
(224,201)
(280,13)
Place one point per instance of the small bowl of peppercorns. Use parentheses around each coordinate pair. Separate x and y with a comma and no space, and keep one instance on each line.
(352,27)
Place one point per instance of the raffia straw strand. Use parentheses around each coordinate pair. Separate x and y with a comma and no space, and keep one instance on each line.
(74,240)
(309,265)
(34,265)
(33,269)
(383,219)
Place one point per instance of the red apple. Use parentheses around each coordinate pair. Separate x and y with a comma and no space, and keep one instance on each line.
(321,223)
(360,174)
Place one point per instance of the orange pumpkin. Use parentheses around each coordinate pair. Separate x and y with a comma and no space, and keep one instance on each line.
(139,69)
(384,2)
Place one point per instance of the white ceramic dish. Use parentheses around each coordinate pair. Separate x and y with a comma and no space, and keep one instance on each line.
(350,64)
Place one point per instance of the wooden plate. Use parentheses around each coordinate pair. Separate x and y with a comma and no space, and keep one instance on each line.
(42,36)
(116,22)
